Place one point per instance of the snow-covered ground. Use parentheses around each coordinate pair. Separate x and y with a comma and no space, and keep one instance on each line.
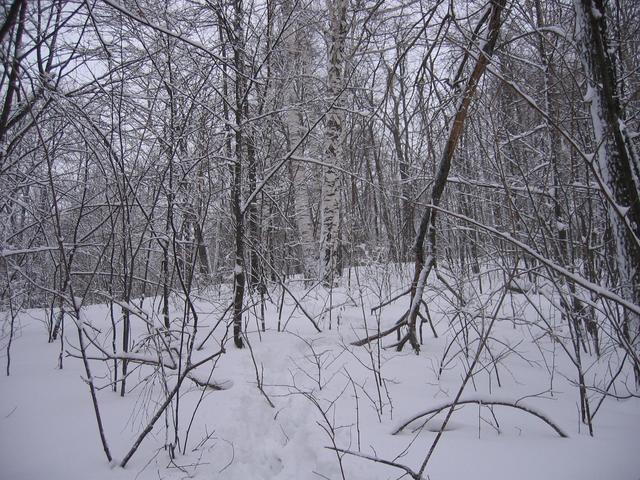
(323,390)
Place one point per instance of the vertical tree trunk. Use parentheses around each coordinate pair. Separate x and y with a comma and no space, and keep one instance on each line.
(253,221)
(618,161)
(297,52)
(203,256)
(202,202)
(333,150)
(236,171)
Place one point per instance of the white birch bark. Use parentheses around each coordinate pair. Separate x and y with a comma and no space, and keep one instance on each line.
(297,53)
(333,149)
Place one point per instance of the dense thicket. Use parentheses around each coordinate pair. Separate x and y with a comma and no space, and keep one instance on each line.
(165,149)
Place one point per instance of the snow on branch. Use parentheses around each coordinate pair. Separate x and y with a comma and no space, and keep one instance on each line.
(487,402)
(407,470)
(577,279)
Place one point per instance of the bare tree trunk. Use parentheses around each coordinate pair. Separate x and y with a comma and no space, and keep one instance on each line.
(427,228)
(236,170)
(618,162)
(253,221)
(297,51)
(202,204)
(12,87)
(333,150)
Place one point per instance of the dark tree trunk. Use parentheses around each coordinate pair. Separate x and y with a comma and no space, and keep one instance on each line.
(427,230)
(619,166)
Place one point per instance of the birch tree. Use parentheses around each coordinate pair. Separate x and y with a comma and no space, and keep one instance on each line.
(333,148)
(297,51)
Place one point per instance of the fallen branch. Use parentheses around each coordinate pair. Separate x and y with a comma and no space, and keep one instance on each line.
(487,402)
(205,382)
(400,323)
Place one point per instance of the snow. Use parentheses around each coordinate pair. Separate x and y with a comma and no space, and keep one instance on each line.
(597,14)
(589,95)
(48,429)
(77,303)
(556,29)
(7,252)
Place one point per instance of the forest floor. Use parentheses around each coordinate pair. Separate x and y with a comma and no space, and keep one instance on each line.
(324,392)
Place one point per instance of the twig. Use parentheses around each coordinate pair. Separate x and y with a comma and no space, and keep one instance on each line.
(391,300)
(408,471)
